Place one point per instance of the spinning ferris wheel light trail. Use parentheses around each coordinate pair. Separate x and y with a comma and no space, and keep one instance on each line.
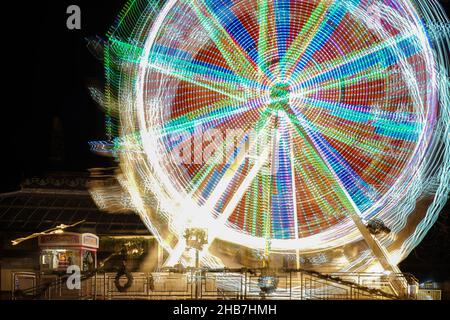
(281,125)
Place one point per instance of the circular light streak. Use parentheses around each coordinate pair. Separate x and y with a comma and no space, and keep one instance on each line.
(271,122)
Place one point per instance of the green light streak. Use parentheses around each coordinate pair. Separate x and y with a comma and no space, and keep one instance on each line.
(236,57)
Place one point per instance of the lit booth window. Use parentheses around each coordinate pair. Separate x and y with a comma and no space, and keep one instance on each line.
(59,251)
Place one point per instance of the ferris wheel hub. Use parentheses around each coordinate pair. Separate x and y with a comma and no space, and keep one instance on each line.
(279,96)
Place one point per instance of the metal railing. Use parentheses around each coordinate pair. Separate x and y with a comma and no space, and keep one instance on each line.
(220,284)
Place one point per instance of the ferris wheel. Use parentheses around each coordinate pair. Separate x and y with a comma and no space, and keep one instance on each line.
(280,125)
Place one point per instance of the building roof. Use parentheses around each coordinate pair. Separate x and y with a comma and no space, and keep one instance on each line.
(44,203)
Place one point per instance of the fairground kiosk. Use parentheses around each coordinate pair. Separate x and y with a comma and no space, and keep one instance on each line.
(59,251)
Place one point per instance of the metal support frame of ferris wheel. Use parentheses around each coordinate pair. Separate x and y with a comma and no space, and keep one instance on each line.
(381,254)
(378,251)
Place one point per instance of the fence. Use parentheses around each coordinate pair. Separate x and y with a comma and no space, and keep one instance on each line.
(219,284)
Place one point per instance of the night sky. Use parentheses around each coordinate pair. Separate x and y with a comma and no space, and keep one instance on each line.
(49,71)
(46,72)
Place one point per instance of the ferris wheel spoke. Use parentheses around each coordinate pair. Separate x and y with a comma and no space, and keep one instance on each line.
(304,38)
(366,76)
(220,190)
(182,62)
(284,200)
(361,114)
(310,167)
(232,171)
(349,139)
(219,159)
(266,39)
(176,253)
(294,193)
(390,124)
(197,133)
(185,76)
(242,189)
(330,18)
(283,27)
(176,63)
(332,184)
(208,117)
(221,220)
(235,160)
(234,54)
(213,198)
(378,157)
(381,152)
(338,166)
(385,52)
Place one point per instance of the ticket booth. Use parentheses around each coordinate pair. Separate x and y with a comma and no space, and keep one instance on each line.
(59,251)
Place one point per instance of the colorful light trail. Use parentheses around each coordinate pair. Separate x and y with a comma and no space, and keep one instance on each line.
(276,121)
